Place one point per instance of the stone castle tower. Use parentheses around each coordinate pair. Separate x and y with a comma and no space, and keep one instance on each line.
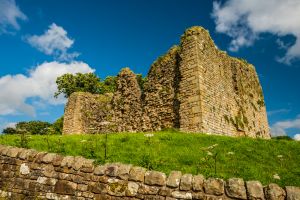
(194,87)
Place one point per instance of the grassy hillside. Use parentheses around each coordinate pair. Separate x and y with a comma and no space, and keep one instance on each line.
(217,156)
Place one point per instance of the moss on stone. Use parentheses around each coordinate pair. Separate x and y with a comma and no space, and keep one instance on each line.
(117,188)
(226,119)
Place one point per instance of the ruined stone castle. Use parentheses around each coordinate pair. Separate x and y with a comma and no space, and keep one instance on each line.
(194,87)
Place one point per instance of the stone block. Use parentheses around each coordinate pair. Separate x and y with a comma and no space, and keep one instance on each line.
(57,161)
(5,150)
(214,186)
(148,190)
(198,195)
(198,182)
(165,191)
(102,197)
(132,189)
(292,193)
(39,156)
(13,152)
(186,182)
(67,161)
(274,192)
(155,178)
(123,171)
(235,188)
(255,190)
(49,171)
(32,155)
(112,170)
(23,154)
(24,169)
(98,188)
(182,195)
(82,187)
(78,162)
(46,181)
(65,187)
(48,158)
(174,179)
(100,170)
(137,174)
(117,187)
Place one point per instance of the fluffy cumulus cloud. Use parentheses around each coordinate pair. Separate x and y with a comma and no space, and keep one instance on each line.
(54,41)
(9,16)
(297,137)
(39,84)
(4,124)
(280,128)
(244,21)
(10,125)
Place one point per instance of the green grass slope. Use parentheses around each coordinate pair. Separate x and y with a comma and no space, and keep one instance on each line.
(212,156)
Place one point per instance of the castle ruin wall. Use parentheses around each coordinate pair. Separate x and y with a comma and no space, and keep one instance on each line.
(160,101)
(194,87)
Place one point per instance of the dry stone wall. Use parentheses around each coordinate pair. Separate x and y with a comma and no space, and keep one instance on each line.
(194,87)
(28,174)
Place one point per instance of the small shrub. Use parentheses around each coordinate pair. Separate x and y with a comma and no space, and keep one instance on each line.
(284,137)
(23,140)
(124,139)
(147,162)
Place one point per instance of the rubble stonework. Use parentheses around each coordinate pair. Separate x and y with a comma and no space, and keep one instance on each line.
(161,105)
(28,174)
(88,113)
(194,87)
(126,102)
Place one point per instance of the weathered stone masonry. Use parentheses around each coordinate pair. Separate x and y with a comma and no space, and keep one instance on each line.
(194,87)
(28,174)
(87,113)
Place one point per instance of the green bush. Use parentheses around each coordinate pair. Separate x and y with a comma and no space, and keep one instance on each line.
(57,126)
(284,137)
(33,127)
(9,130)
(69,83)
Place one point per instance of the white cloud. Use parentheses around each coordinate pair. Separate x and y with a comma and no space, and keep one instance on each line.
(9,16)
(297,137)
(244,21)
(40,84)
(5,124)
(53,42)
(10,125)
(279,128)
(281,44)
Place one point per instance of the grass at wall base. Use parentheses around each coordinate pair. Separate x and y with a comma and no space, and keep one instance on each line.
(269,161)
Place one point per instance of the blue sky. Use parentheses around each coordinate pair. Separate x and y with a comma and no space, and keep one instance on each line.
(40,40)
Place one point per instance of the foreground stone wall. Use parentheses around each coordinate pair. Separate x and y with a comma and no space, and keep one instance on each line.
(28,174)
(194,87)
